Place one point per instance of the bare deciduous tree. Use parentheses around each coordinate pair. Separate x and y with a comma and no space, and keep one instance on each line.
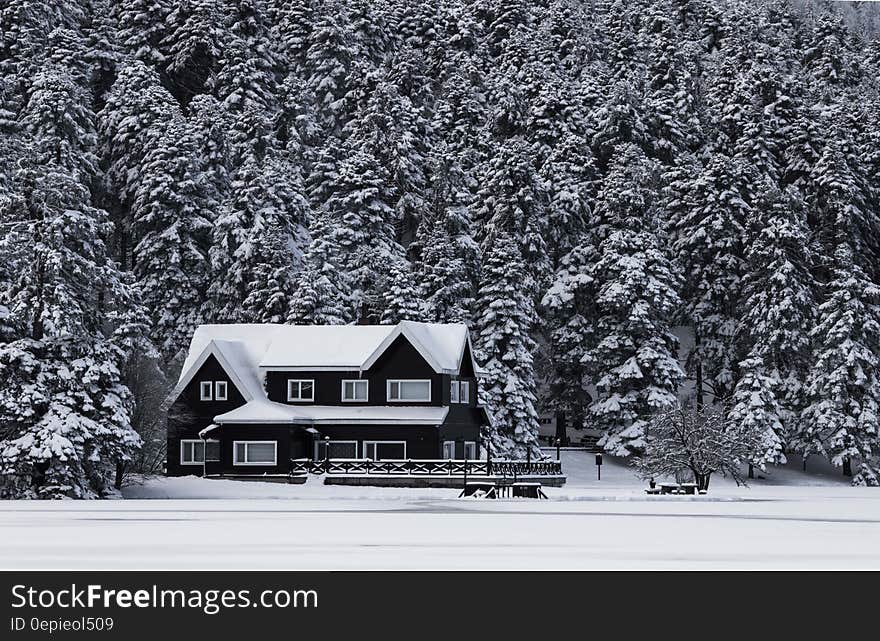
(689,441)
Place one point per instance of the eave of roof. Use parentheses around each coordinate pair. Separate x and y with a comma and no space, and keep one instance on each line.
(269,412)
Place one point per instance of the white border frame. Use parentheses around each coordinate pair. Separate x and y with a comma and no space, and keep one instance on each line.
(454,384)
(235,460)
(191,440)
(443,450)
(300,380)
(217,385)
(465,451)
(375,443)
(406,380)
(210,385)
(365,381)
(319,441)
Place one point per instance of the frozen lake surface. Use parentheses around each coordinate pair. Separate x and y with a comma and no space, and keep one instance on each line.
(788,520)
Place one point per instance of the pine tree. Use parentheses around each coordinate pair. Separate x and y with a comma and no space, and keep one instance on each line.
(710,224)
(447,255)
(142,27)
(504,318)
(194,41)
(403,300)
(171,216)
(631,359)
(360,207)
(321,293)
(776,318)
(258,243)
(843,385)
(64,410)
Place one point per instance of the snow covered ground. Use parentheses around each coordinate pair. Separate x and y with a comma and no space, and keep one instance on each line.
(788,520)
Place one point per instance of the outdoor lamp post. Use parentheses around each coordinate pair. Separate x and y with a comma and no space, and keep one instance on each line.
(558,443)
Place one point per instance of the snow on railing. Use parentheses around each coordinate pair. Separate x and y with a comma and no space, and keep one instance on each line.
(427,467)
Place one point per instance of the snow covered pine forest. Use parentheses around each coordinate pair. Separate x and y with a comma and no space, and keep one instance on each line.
(571,178)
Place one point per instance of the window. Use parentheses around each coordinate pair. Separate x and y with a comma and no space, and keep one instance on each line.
(470,450)
(220,391)
(212,451)
(412,390)
(385,450)
(453,392)
(464,394)
(205,391)
(254,452)
(448,449)
(300,390)
(338,449)
(355,390)
(192,452)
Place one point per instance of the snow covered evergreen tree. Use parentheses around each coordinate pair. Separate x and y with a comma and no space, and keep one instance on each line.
(321,294)
(172,215)
(259,239)
(777,316)
(844,383)
(505,315)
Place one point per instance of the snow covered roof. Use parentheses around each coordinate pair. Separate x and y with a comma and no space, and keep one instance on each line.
(244,350)
(264,411)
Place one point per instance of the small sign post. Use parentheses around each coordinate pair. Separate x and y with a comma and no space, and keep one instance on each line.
(599,466)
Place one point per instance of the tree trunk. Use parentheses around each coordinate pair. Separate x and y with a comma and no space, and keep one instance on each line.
(120,472)
(751,471)
(702,481)
(847,467)
(698,370)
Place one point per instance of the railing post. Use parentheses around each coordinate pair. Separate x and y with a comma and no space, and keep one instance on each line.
(465,471)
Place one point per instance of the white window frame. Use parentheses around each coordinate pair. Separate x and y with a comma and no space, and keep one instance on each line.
(235,460)
(219,454)
(443,451)
(355,381)
(318,444)
(392,381)
(300,381)
(217,386)
(464,386)
(194,441)
(375,443)
(453,390)
(203,386)
(472,445)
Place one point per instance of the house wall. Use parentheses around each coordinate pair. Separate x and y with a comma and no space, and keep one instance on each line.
(400,361)
(189,415)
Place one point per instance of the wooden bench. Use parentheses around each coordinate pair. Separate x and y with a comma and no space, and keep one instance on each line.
(527,490)
(479,489)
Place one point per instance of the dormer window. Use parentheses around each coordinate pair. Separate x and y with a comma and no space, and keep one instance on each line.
(300,390)
(206,391)
(402,391)
(220,391)
(355,391)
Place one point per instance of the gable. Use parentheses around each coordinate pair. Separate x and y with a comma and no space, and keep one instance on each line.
(401,360)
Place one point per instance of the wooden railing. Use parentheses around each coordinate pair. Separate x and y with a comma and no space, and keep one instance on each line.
(427,467)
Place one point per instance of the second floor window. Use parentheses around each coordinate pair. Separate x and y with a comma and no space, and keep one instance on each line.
(220,391)
(206,391)
(460,392)
(355,390)
(300,390)
(400,391)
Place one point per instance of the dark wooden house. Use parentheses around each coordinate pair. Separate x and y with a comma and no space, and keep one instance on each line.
(252,398)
